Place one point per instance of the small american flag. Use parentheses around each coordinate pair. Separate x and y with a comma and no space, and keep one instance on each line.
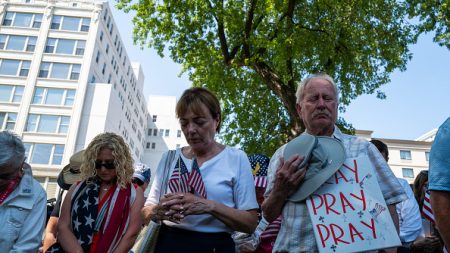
(427,212)
(272,229)
(178,182)
(195,180)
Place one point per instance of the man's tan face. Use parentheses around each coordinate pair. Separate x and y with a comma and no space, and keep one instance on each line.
(318,108)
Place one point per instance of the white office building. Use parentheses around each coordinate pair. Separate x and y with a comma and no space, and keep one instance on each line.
(406,157)
(163,132)
(65,77)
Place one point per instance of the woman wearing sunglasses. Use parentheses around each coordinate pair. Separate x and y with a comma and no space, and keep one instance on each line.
(101,213)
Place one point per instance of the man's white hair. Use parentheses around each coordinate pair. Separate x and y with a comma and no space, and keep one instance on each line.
(301,86)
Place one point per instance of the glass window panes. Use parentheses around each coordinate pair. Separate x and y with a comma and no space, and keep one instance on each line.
(16,42)
(50,47)
(178,133)
(3,41)
(2,120)
(70,23)
(75,74)
(64,124)
(37,20)
(8,18)
(166,134)
(5,92)
(56,22)
(25,68)
(80,48)
(65,46)
(85,24)
(11,121)
(60,70)
(427,156)
(405,154)
(9,67)
(31,45)
(22,19)
(54,96)
(70,97)
(31,123)
(17,95)
(408,172)
(38,95)
(48,124)
(41,153)
(58,154)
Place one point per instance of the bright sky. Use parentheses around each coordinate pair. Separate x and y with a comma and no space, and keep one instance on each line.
(418,100)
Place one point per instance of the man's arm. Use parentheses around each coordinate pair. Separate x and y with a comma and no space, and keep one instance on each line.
(440,202)
(286,181)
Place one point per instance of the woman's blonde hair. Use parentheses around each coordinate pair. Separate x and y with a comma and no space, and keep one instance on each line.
(123,161)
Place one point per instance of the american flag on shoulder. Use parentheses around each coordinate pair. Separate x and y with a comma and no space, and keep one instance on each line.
(427,212)
(195,180)
(178,182)
(272,229)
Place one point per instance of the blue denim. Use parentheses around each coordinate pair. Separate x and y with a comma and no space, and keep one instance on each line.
(439,174)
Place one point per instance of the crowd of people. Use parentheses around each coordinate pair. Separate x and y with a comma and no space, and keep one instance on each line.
(209,197)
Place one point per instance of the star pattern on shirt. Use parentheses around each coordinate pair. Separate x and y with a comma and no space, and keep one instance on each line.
(89,220)
(77,224)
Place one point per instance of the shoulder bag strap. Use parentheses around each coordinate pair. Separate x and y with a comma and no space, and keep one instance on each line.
(169,158)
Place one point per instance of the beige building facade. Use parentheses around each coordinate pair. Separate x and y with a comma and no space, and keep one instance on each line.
(406,157)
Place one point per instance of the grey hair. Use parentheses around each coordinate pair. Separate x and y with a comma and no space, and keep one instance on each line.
(11,149)
(304,82)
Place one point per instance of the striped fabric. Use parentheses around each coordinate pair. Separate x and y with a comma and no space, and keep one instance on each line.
(272,229)
(195,180)
(178,182)
(427,212)
(260,182)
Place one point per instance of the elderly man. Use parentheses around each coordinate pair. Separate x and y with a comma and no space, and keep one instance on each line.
(317,105)
(22,199)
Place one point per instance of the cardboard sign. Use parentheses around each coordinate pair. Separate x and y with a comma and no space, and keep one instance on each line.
(348,212)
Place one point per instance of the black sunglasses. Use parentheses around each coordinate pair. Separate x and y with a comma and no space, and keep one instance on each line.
(137,181)
(107,164)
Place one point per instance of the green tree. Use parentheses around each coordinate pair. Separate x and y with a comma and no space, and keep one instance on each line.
(252,53)
(434,15)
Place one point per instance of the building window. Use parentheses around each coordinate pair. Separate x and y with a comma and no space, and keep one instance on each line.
(155,132)
(7,120)
(85,23)
(166,134)
(65,46)
(147,145)
(42,153)
(405,154)
(75,72)
(59,70)
(153,145)
(50,46)
(149,132)
(14,67)
(161,132)
(178,146)
(178,133)
(18,43)
(11,93)
(107,48)
(20,19)
(80,47)
(427,156)
(97,58)
(67,23)
(155,117)
(408,172)
(101,36)
(47,124)
(53,96)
